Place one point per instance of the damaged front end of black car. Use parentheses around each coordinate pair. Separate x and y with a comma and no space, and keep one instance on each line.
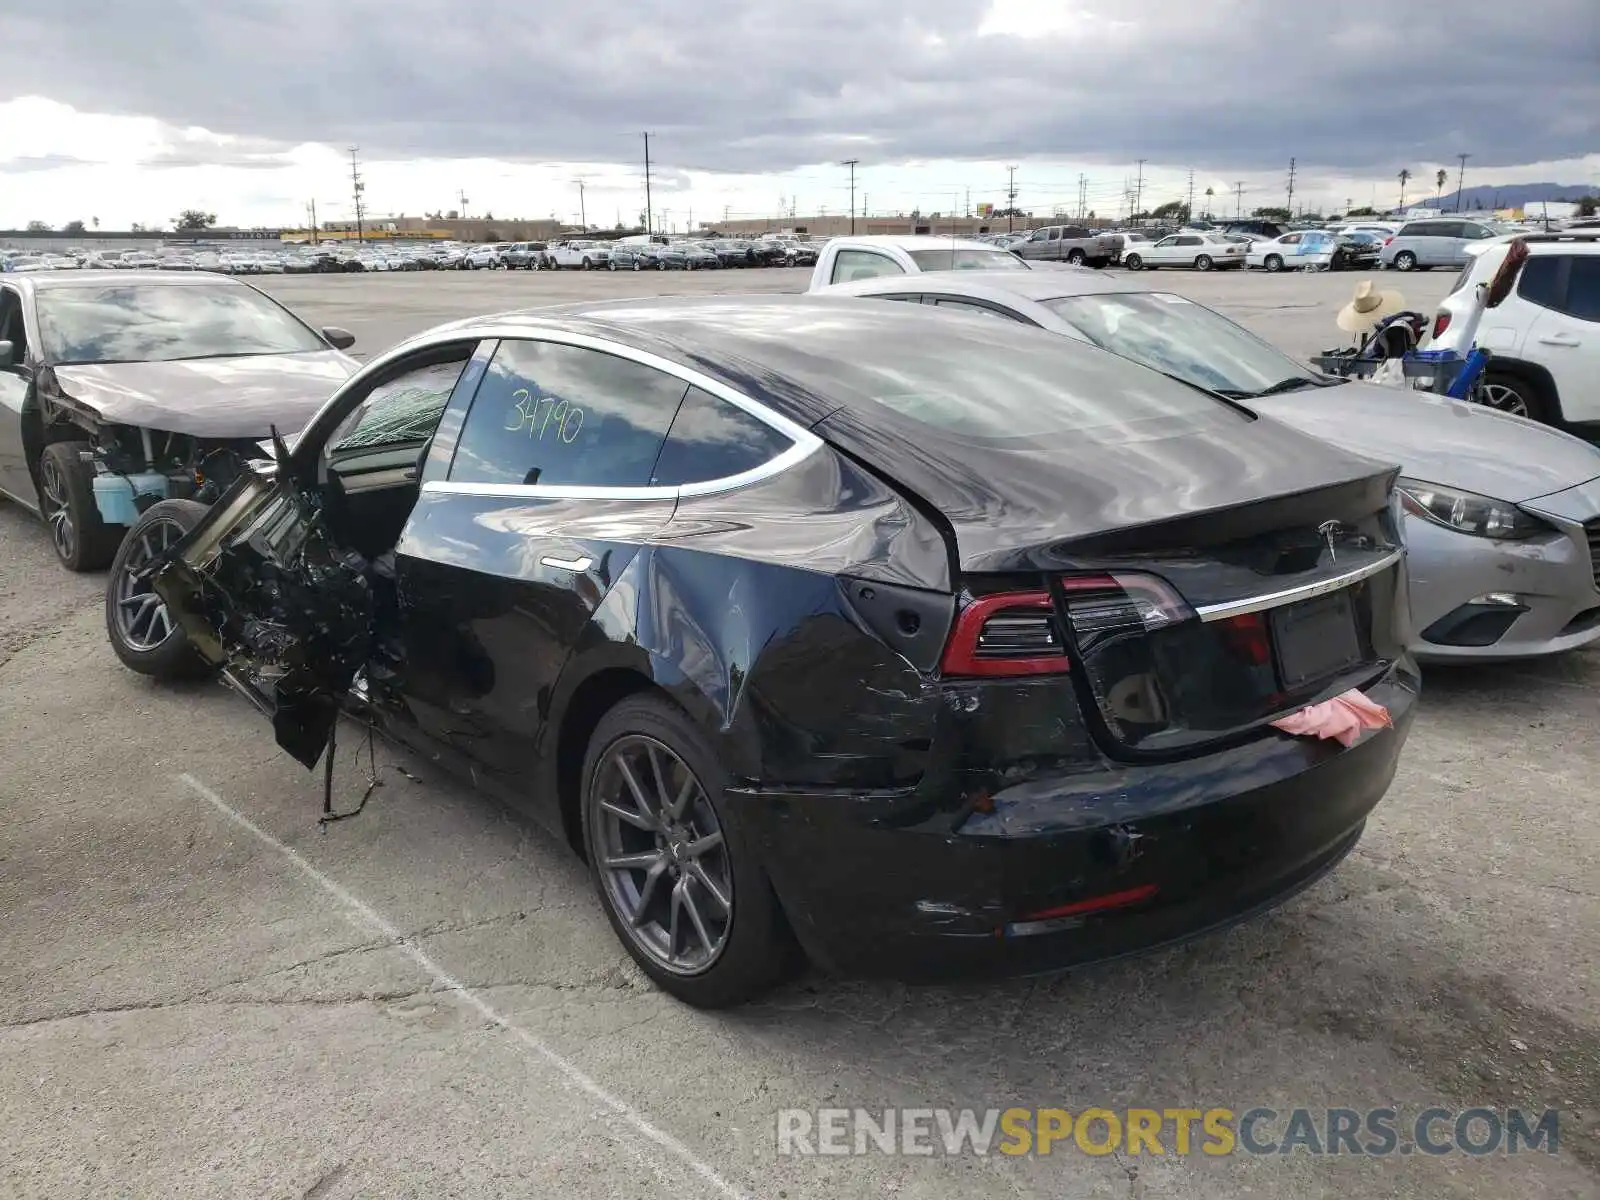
(265,595)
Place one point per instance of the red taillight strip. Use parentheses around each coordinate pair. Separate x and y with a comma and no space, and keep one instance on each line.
(961,651)
(1095,903)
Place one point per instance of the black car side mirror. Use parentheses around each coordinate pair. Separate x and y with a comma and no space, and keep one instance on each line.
(339,339)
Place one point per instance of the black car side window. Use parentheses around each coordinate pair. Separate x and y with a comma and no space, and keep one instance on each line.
(406,408)
(713,439)
(11,327)
(549,413)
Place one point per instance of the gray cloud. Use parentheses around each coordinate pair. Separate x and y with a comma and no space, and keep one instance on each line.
(40,162)
(765,85)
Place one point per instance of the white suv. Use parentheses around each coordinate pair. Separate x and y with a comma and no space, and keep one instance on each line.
(1544,339)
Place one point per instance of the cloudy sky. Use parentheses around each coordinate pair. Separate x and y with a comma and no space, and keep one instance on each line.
(130,110)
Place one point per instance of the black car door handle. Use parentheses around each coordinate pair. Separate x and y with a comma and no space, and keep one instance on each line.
(580,564)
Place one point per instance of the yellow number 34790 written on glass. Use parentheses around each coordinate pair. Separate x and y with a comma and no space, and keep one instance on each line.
(558,418)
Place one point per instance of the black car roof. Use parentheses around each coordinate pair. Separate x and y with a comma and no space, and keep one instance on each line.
(795,353)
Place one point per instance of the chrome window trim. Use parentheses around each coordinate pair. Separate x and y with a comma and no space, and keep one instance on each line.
(1304,591)
(803,443)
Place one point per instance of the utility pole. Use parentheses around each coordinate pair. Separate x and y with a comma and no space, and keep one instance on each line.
(313,208)
(647,183)
(1190,209)
(851,163)
(1138,191)
(461,197)
(863,206)
(1083,196)
(1011,197)
(583,213)
(1460,178)
(969,202)
(1238,199)
(357,188)
(1290,203)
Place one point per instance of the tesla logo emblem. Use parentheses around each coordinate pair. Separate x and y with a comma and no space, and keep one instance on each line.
(1327,529)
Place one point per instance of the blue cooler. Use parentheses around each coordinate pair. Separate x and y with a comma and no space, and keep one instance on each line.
(117,496)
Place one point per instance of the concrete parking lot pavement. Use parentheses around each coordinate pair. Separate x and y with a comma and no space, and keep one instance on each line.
(203,996)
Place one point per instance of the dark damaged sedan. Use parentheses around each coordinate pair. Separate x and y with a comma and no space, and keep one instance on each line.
(120,388)
(930,646)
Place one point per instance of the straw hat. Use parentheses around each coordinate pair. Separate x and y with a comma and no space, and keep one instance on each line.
(1367,307)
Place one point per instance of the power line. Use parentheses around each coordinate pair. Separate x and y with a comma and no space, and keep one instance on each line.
(357,188)
(852,163)
(647,183)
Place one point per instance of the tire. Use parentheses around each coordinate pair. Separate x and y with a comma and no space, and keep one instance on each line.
(1203,262)
(1405,261)
(1274,263)
(82,541)
(1512,391)
(753,943)
(1075,258)
(134,614)
(1135,262)
(611,266)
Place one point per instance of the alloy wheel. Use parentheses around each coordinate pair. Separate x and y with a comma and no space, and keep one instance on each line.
(661,854)
(1504,398)
(142,618)
(57,511)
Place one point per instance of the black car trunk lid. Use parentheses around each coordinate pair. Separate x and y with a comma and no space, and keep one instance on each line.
(1199,584)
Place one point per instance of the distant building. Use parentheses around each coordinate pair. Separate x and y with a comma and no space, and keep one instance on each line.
(838,225)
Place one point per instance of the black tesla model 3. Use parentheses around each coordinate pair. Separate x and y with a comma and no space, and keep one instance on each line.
(928,645)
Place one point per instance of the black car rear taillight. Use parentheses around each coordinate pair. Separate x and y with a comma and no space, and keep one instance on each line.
(1103,607)
(1006,634)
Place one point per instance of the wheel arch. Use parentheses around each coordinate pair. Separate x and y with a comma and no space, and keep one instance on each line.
(1535,374)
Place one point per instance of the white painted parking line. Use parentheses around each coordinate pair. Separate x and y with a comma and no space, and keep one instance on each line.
(359,913)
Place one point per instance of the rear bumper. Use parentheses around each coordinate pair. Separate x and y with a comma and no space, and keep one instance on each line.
(873,888)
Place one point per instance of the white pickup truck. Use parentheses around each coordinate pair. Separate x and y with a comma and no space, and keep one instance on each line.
(587,256)
(844,259)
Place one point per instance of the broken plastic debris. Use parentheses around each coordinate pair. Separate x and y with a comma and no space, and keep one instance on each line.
(1343,718)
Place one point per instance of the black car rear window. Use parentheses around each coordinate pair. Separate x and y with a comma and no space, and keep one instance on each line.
(998,382)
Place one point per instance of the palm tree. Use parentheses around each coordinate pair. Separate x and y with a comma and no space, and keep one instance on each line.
(1439,180)
(1405,176)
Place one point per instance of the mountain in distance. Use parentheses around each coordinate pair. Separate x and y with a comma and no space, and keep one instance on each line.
(1507,195)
